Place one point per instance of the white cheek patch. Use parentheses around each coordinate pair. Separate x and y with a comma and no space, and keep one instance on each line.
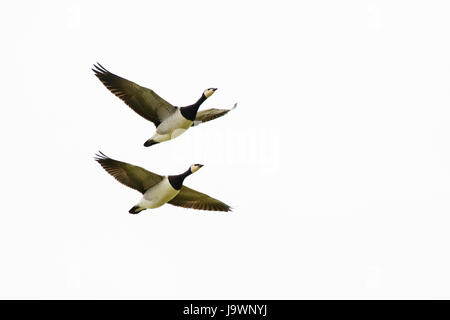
(208,93)
(194,168)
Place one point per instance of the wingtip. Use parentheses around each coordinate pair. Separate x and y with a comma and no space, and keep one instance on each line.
(98,68)
(100,156)
(234,107)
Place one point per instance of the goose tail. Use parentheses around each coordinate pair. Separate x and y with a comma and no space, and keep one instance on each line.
(136,209)
(150,142)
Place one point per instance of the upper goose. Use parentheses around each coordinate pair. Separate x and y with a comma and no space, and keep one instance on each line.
(158,190)
(170,121)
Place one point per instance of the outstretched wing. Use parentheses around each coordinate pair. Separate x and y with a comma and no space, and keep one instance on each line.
(142,100)
(132,176)
(190,198)
(211,114)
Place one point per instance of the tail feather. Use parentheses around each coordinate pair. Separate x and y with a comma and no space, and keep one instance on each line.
(149,143)
(136,210)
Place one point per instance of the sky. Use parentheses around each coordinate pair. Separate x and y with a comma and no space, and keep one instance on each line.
(336,160)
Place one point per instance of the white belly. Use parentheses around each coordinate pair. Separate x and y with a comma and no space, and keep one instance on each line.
(158,195)
(172,127)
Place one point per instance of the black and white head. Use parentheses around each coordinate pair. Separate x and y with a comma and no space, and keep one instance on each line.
(208,92)
(195,167)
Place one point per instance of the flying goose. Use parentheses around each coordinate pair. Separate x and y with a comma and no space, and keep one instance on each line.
(170,121)
(158,190)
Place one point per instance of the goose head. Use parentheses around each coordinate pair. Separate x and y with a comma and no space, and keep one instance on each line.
(195,167)
(208,92)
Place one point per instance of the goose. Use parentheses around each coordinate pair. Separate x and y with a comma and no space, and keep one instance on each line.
(158,190)
(170,121)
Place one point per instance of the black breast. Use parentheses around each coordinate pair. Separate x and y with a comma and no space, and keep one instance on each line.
(189,112)
(176,181)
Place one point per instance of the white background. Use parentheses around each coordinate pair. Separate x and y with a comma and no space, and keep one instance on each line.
(336,161)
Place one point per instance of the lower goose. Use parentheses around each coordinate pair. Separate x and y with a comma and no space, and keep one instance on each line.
(158,190)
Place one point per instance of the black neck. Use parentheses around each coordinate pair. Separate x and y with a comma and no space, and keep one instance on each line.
(177,181)
(190,112)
